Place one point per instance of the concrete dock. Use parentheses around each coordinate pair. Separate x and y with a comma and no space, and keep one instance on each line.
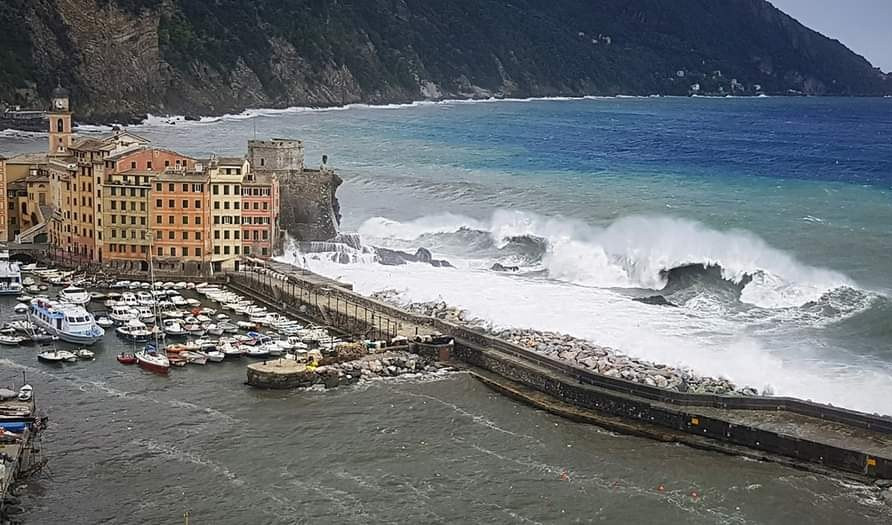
(808,435)
(15,448)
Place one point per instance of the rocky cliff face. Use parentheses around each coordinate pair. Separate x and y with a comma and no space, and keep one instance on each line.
(126,57)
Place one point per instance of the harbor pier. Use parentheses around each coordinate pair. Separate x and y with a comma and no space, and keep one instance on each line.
(803,434)
(19,427)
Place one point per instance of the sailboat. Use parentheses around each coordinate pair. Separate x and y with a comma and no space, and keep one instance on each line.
(152,358)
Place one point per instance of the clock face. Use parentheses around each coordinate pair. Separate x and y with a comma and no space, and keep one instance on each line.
(60,104)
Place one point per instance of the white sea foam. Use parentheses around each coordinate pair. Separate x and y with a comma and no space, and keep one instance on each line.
(635,252)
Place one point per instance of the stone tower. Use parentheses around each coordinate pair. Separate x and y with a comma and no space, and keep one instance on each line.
(276,155)
(60,123)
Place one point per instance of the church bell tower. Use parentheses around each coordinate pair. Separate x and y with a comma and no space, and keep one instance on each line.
(60,123)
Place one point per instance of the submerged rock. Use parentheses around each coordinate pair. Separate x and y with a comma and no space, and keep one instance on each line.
(656,300)
(498,267)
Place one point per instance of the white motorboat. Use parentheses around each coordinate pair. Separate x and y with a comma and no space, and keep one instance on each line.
(28,281)
(128,299)
(134,330)
(105,322)
(230,350)
(11,340)
(245,325)
(20,308)
(178,300)
(174,328)
(168,285)
(215,356)
(145,286)
(180,285)
(193,302)
(10,277)
(121,284)
(213,329)
(83,353)
(121,313)
(74,295)
(173,314)
(70,322)
(56,356)
(201,318)
(194,329)
(145,299)
(228,328)
(145,314)
(257,351)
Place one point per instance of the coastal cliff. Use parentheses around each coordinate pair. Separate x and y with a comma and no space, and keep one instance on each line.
(125,58)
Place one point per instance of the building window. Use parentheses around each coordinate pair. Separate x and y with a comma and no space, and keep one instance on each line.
(157,219)
(185,219)
(173,251)
(185,188)
(265,205)
(170,203)
(198,252)
(114,205)
(226,234)
(216,250)
(160,252)
(226,250)
(158,187)
(216,234)
(170,234)
(148,165)
(185,204)
(185,236)
(237,234)
(226,188)
(197,221)
(264,251)
(197,205)
(236,204)
(185,251)
(133,165)
(170,219)
(159,203)
(60,126)
(215,189)
(261,161)
(226,205)
(247,250)
(166,163)
(265,235)
(170,187)
(236,250)
(256,205)
(216,205)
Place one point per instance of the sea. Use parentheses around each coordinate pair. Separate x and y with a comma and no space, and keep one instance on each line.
(765,222)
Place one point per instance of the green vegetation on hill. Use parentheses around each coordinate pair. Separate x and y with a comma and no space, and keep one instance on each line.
(224,55)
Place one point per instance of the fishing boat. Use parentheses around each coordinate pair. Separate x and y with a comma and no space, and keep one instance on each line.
(56,356)
(126,358)
(74,295)
(83,353)
(149,358)
(70,322)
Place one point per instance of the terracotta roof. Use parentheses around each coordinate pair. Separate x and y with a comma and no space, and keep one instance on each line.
(230,161)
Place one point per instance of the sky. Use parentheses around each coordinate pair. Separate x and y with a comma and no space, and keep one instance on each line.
(864,26)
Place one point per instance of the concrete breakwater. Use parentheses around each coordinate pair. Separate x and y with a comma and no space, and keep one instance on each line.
(579,352)
(287,373)
(807,435)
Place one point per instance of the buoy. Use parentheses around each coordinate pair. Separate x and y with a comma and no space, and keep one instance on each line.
(661,487)
(695,494)
(565,476)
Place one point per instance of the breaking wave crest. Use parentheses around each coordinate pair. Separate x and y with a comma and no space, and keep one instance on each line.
(639,252)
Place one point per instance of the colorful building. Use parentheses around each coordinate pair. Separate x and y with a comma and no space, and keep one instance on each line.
(181,222)
(260,214)
(125,220)
(226,176)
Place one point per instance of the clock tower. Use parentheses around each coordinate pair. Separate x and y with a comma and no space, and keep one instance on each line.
(60,123)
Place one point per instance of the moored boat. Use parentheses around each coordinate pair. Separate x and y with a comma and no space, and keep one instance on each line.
(74,295)
(56,356)
(149,358)
(70,322)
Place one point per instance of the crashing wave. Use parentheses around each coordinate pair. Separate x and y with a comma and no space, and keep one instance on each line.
(642,252)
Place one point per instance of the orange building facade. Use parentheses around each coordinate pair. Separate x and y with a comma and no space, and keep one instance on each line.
(181,222)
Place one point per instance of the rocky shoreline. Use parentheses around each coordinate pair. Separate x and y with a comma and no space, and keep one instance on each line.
(582,353)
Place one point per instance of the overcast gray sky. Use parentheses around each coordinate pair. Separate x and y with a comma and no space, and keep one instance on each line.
(865,26)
